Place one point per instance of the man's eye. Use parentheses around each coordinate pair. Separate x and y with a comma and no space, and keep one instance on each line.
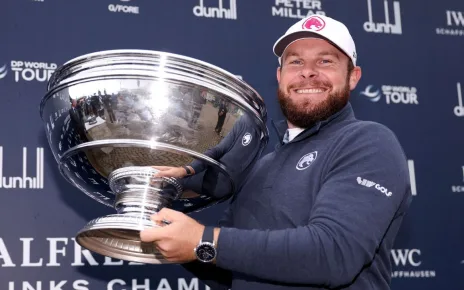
(296,61)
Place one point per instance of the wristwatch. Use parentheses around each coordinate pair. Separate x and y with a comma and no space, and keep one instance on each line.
(189,172)
(206,249)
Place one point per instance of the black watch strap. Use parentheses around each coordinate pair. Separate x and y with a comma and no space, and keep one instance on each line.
(208,234)
(189,172)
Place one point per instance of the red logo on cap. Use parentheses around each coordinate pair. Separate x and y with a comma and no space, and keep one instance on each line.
(314,23)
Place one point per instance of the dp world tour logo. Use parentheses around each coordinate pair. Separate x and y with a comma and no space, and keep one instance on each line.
(306,160)
(371,94)
(394,94)
(3,71)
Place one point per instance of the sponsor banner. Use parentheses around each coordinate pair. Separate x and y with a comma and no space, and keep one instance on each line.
(387,25)
(297,9)
(27,71)
(219,11)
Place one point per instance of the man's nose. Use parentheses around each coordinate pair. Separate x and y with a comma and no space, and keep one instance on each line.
(308,71)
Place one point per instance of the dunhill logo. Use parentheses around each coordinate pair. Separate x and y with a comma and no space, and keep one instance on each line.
(24,181)
(386,27)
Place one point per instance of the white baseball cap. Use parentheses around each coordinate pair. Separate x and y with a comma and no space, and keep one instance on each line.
(319,26)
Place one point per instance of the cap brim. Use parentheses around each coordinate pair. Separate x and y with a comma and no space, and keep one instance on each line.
(286,40)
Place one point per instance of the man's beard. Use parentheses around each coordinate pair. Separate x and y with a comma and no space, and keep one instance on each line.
(305,114)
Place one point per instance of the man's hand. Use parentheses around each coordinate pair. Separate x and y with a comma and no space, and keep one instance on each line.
(168,171)
(177,240)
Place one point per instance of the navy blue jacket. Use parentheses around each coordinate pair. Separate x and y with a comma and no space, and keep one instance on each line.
(238,151)
(319,212)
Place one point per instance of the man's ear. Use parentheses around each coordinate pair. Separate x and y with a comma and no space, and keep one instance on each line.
(278,73)
(355,77)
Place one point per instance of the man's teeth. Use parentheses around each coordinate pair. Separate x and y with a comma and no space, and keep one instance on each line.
(310,91)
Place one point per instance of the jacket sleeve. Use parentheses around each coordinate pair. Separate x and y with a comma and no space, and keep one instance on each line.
(217,151)
(236,153)
(216,278)
(365,189)
(238,161)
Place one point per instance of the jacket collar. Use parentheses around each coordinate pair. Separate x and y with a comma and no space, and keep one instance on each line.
(281,126)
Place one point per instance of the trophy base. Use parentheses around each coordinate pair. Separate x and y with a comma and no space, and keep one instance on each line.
(118,236)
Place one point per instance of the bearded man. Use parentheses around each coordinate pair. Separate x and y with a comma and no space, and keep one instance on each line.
(322,210)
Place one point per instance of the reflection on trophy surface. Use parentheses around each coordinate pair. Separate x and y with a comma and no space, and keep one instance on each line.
(111,116)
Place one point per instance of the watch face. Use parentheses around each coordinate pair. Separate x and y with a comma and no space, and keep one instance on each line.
(206,252)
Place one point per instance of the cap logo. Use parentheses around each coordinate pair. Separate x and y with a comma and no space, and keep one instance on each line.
(315,23)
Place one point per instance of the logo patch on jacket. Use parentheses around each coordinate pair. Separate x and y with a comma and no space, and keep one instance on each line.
(306,160)
(368,183)
(246,139)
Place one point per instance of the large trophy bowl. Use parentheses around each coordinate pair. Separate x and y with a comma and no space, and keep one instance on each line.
(111,116)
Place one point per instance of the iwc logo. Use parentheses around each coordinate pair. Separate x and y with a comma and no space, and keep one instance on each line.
(246,139)
(306,160)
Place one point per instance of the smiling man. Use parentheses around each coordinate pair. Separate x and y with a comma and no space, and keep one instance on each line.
(322,210)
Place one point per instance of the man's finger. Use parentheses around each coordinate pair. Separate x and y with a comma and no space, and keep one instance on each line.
(160,220)
(161,167)
(151,234)
(170,214)
(166,173)
(166,216)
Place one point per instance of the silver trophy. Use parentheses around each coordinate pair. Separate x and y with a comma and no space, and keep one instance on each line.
(111,116)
